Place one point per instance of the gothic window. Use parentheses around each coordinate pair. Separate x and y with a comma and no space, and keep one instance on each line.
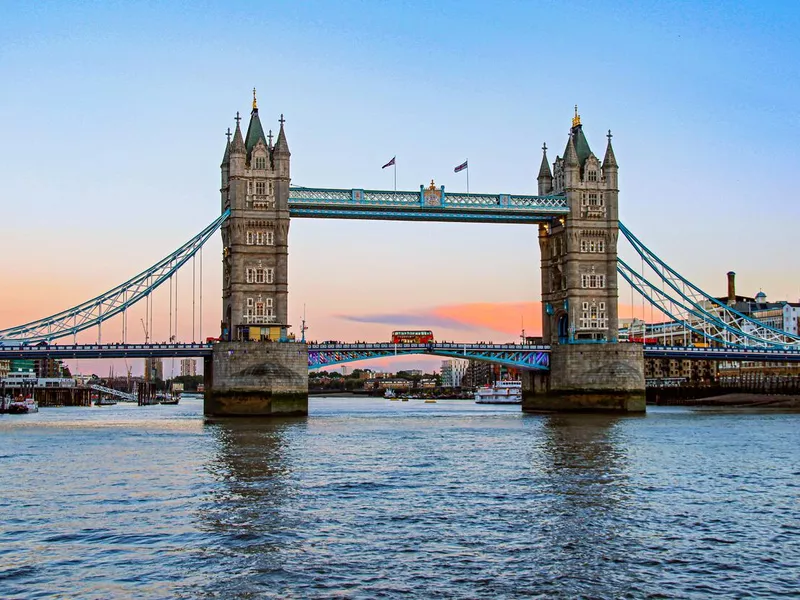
(259,238)
(259,309)
(602,203)
(261,162)
(249,275)
(271,189)
(250,302)
(270,236)
(269,302)
(260,186)
(269,274)
(592,175)
(249,188)
(593,281)
(259,275)
(251,238)
(592,199)
(601,245)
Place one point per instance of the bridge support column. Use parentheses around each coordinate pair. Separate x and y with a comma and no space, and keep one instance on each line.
(589,378)
(257,379)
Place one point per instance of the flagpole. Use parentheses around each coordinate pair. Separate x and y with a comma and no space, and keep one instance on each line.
(395,175)
(467,176)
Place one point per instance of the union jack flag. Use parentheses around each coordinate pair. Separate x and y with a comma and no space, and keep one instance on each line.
(389,164)
(460,167)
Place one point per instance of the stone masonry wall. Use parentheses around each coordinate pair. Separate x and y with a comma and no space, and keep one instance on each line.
(591,377)
(258,379)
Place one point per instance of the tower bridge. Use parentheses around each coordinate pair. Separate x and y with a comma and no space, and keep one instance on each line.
(256,367)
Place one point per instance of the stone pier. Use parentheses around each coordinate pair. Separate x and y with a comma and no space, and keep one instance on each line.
(588,378)
(256,379)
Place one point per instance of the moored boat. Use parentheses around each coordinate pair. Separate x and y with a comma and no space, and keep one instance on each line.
(502,392)
(21,406)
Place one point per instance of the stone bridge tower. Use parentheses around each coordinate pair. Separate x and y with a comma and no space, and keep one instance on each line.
(257,369)
(579,252)
(589,370)
(255,186)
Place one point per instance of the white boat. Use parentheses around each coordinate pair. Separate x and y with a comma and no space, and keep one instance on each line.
(22,406)
(502,392)
(389,394)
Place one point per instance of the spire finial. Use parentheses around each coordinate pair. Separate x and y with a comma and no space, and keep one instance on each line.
(255,104)
(609,136)
(544,147)
(228,135)
(238,118)
(269,136)
(281,120)
(576,120)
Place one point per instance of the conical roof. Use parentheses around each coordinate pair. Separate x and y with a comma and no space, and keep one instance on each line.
(544,170)
(609,160)
(227,154)
(570,155)
(238,147)
(581,145)
(254,132)
(281,146)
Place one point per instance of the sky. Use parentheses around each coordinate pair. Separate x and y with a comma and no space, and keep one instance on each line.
(114,113)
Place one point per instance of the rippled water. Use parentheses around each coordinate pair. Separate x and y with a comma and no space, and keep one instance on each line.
(368,498)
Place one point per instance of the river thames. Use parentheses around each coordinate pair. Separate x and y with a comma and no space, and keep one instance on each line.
(368,498)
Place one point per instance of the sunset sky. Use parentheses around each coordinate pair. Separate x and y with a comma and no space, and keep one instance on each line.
(113,117)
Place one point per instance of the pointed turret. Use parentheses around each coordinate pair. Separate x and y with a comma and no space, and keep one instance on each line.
(227,154)
(254,130)
(238,147)
(545,178)
(582,150)
(281,146)
(610,160)
(610,167)
(570,155)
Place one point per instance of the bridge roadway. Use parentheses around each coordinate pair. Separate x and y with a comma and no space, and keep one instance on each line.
(321,355)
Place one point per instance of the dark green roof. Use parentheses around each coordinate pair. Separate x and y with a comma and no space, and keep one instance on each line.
(581,145)
(254,132)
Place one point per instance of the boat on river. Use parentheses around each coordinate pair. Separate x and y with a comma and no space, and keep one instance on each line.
(502,392)
(21,405)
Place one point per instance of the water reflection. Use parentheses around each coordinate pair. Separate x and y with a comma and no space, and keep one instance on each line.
(585,519)
(246,510)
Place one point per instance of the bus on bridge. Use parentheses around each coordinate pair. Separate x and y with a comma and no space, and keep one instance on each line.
(422,336)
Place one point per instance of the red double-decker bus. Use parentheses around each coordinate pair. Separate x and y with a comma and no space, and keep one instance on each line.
(412,337)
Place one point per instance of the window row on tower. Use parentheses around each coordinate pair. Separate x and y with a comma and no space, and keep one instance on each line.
(259,310)
(593,316)
(260,238)
(593,281)
(258,275)
(260,188)
(593,245)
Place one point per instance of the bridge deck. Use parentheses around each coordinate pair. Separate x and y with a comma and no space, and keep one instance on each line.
(524,356)
(424,205)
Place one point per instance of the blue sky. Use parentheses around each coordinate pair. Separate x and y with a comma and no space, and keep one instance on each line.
(114,116)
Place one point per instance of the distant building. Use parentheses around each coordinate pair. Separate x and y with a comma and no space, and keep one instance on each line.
(153,369)
(478,373)
(453,372)
(5,367)
(188,367)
